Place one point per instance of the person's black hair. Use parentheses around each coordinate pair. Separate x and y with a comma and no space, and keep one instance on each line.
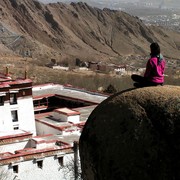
(155,49)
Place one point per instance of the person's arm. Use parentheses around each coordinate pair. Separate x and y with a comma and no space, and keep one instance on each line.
(163,67)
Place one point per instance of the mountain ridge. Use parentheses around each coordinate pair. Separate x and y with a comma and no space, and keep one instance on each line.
(78,30)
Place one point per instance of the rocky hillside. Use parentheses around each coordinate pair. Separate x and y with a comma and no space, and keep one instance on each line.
(58,30)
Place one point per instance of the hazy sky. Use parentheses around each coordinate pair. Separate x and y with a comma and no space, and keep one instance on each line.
(47,1)
(174,1)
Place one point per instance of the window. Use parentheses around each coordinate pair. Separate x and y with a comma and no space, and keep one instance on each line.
(14,116)
(13,98)
(40,164)
(60,161)
(15,169)
(1,100)
(16,128)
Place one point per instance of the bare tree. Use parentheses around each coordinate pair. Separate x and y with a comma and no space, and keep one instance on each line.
(69,170)
(72,169)
(3,174)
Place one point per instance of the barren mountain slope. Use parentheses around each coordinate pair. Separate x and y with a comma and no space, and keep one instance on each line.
(78,30)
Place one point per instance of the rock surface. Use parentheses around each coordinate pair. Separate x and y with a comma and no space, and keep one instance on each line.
(134,135)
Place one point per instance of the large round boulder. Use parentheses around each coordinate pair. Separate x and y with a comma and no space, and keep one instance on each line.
(133,135)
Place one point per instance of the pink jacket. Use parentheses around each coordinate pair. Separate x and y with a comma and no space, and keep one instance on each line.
(155,69)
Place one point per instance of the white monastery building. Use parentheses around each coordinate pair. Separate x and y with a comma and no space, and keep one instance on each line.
(16,106)
(40,128)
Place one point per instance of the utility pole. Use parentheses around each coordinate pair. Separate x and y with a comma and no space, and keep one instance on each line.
(75,148)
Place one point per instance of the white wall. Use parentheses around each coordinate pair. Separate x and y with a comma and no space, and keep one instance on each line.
(45,129)
(60,117)
(64,118)
(51,169)
(26,119)
(73,119)
(26,115)
(5,118)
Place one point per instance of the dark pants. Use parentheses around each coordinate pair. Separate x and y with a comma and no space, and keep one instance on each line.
(141,81)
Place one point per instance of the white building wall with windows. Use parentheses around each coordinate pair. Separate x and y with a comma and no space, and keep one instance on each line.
(51,168)
(5,118)
(25,116)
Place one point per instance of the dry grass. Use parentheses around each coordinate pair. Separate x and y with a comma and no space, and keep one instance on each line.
(41,74)
(88,80)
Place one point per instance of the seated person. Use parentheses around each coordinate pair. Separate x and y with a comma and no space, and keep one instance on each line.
(154,74)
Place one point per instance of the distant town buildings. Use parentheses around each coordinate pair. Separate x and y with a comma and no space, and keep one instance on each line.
(168,21)
(152,12)
(101,67)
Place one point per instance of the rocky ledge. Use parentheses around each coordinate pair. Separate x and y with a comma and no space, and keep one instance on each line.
(133,134)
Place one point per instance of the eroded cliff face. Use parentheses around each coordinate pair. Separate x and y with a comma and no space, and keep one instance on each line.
(78,29)
(134,135)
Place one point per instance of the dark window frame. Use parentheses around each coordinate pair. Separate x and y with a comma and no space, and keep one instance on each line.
(2,98)
(61,161)
(40,164)
(13,98)
(14,115)
(15,169)
(16,127)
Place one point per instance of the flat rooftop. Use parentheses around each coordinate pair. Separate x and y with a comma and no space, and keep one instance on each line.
(85,111)
(9,134)
(14,136)
(48,90)
(66,111)
(67,91)
(48,119)
(69,139)
(46,145)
